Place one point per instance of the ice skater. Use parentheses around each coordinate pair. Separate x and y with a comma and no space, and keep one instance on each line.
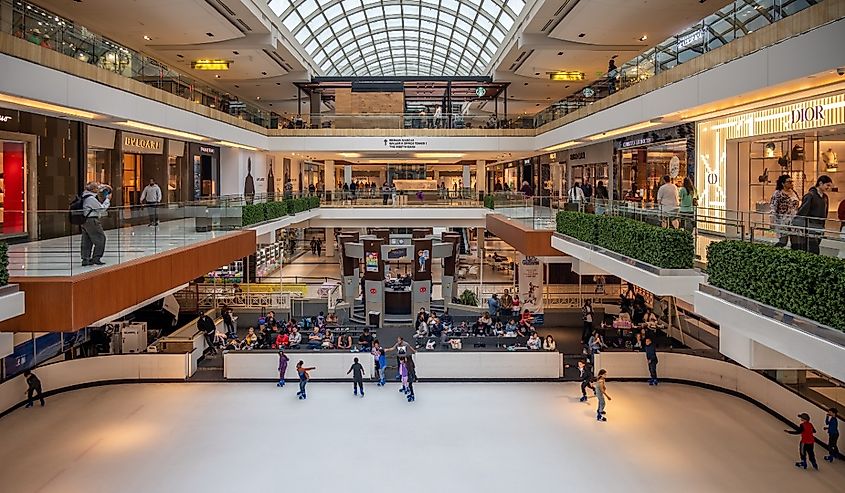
(831,422)
(407,384)
(586,376)
(807,443)
(379,363)
(283,367)
(357,370)
(302,371)
(601,394)
(651,357)
(33,388)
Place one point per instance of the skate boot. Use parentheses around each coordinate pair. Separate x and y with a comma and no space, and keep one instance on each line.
(801,464)
(410,398)
(599,417)
(583,398)
(828,458)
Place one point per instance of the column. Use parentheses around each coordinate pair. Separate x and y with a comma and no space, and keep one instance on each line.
(347,173)
(466,177)
(481,175)
(296,174)
(328,175)
(479,233)
(329,242)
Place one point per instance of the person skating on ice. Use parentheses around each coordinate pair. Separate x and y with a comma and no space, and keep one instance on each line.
(651,357)
(357,370)
(302,371)
(586,377)
(807,442)
(404,374)
(831,424)
(601,394)
(379,363)
(283,367)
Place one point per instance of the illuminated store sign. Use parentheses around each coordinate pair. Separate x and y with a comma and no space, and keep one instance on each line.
(141,144)
(5,118)
(692,39)
(571,76)
(210,64)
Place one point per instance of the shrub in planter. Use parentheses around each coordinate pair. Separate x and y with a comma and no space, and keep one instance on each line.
(489,202)
(468,298)
(661,247)
(812,286)
(313,202)
(4,264)
(274,210)
(252,214)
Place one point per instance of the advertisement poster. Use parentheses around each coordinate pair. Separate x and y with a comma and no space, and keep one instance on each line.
(371,262)
(422,256)
(531,287)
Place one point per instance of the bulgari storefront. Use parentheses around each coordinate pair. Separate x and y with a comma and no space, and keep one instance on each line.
(740,156)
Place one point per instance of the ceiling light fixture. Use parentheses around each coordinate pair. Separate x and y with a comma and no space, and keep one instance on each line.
(147,37)
(347,154)
(559,147)
(643,37)
(161,130)
(236,146)
(53,108)
(438,155)
(620,131)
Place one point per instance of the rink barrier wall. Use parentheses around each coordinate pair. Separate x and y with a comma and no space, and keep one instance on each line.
(100,370)
(463,365)
(717,375)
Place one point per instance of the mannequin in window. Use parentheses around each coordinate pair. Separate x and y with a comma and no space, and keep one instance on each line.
(830,159)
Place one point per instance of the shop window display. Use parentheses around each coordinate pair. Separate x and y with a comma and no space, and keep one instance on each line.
(12,187)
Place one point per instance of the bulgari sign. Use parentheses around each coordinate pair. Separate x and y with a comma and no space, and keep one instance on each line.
(142,144)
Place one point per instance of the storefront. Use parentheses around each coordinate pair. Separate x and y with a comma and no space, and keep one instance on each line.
(741,156)
(205,170)
(39,163)
(642,160)
(588,165)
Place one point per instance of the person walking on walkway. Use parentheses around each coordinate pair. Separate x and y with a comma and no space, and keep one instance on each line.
(93,238)
(319,247)
(601,394)
(229,323)
(283,367)
(151,198)
(651,356)
(302,371)
(357,370)
(33,385)
(831,424)
(585,374)
(807,443)
(810,217)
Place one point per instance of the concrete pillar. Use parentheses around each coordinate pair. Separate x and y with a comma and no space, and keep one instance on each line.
(481,175)
(347,173)
(296,174)
(329,242)
(466,177)
(479,232)
(328,175)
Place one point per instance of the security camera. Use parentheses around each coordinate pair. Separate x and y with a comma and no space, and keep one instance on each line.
(840,70)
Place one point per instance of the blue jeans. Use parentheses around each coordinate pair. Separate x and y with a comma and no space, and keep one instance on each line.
(302,386)
(600,397)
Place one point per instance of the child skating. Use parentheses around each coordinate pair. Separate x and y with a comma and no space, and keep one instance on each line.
(283,367)
(831,424)
(379,363)
(302,371)
(357,370)
(807,443)
(407,385)
(601,394)
(586,377)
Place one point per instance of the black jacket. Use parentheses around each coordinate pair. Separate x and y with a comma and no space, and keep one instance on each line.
(814,206)
(206,324)
(33,382)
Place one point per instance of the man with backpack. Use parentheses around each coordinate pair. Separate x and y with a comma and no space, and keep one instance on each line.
(86,212)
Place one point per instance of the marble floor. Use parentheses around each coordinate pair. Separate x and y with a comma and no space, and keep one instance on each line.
(456,437)
(61,256)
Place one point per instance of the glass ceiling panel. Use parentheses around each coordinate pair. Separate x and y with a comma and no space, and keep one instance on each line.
(414,30)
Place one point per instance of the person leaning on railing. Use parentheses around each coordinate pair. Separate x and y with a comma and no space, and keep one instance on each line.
(811,216)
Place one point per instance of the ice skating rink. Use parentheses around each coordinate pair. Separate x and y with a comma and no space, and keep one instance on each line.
(457,437)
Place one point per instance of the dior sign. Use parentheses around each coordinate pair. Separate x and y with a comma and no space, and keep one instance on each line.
(5,118)
(810,114)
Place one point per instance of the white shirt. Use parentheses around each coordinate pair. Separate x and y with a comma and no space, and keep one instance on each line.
(667,196)
(151,193)
(576,194)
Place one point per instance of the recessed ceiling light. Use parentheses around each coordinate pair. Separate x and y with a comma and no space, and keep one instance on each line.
(179,56)
(644,37)
(263,73)
(559,53)
(147,37)
(216,76)
(582,35)
(524,83)
(278,83)
(257,97)
(237,86)
(536,73)
(210,35)
(236,53)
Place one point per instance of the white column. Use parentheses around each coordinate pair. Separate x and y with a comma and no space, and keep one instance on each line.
(479,232)
(347,173)
(328,175)
(481,175)
(466,178)
(329,242)
(295,174)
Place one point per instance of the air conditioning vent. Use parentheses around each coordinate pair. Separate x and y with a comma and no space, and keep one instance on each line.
(226,8)
(244,25)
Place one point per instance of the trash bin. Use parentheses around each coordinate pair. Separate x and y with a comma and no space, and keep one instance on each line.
(374,319)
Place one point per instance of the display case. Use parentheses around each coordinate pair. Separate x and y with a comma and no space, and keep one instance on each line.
(770,158)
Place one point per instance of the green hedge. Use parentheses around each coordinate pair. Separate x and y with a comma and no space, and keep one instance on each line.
(662,247)
(4,264)
(489,202)
(265,211)
(802,283)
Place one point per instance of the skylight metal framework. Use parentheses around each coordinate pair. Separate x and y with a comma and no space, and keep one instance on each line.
(399,37)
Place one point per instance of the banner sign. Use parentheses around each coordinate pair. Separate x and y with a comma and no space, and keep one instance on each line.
(531,286)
